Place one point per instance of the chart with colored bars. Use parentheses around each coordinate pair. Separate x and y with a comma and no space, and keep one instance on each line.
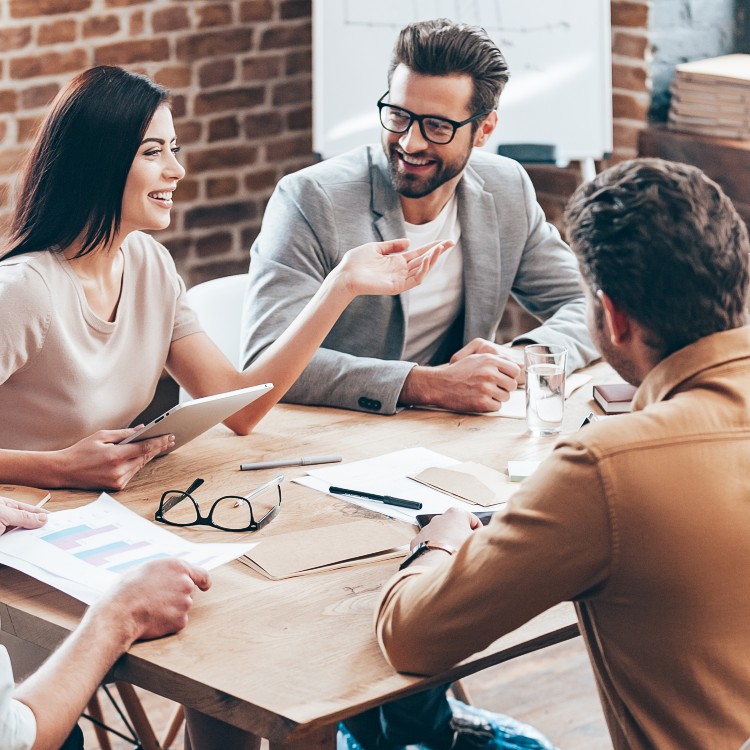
(91,545)
(84,550)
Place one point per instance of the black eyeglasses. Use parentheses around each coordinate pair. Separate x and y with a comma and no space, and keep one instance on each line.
(439,130)
(228,513)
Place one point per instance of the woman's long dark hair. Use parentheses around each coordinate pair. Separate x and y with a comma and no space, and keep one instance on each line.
(74,177)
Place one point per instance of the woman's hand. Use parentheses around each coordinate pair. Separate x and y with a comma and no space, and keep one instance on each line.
(99,463)
(388,267)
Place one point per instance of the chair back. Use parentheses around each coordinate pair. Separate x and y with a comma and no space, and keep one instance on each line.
(218,305)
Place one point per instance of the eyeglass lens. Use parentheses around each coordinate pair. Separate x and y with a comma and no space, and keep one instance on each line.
(399,120)
(179,508)
(234,513)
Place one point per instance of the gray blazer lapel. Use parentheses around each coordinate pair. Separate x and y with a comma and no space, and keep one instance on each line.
(384,203)
(388,224)
(480,240)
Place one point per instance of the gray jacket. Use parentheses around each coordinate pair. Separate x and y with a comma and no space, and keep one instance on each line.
(315,215)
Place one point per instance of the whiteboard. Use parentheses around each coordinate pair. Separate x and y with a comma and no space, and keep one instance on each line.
(558,52)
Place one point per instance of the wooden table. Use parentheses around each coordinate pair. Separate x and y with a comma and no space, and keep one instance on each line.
(289,659)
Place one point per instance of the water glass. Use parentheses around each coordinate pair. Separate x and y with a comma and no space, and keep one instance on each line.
(545,388)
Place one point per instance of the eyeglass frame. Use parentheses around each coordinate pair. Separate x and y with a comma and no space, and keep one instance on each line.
(202,520)
(419,119)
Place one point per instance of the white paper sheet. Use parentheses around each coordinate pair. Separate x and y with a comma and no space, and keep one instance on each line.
(389,475)
(84,551)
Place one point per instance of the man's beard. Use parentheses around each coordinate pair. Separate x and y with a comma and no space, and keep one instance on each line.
(414,186)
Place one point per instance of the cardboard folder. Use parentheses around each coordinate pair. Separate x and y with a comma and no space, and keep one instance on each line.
(469,481)
(326,548)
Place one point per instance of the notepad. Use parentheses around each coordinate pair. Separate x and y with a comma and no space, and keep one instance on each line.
(519,470)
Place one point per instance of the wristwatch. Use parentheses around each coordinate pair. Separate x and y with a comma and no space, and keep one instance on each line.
(423,547)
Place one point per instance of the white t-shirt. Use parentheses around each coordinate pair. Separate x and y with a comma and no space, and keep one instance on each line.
(17,721)
(66,373)
(432,307)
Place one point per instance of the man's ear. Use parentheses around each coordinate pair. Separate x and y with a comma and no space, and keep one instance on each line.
(485,129)
(618,323)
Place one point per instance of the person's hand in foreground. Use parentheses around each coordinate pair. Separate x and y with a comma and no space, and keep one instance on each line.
(14,514)
(451,528)
(151,601)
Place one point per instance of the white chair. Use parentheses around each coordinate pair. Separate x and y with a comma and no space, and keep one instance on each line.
(218,304)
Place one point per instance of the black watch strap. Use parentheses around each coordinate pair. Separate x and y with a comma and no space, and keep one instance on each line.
(423,547)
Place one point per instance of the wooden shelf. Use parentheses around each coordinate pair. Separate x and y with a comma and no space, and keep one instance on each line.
(725,160)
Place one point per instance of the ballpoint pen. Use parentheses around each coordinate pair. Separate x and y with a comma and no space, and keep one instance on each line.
(387,499)
(305,461)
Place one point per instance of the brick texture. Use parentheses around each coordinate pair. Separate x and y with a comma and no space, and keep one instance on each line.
(57,32)
(631,75)
(240,72)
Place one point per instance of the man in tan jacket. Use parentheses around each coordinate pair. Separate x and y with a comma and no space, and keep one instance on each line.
(642,520)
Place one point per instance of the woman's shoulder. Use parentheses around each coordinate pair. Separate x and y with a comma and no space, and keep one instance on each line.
(26,306)
(27,276)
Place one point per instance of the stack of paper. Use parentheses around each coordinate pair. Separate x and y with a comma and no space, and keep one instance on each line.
(712,97)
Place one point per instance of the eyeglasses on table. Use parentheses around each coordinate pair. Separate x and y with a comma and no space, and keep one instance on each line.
(228,513)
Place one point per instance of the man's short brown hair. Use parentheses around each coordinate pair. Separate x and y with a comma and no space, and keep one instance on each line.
(443,47)
(665,243)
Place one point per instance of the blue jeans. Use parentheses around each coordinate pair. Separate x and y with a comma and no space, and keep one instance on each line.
(420,718)
(75,740)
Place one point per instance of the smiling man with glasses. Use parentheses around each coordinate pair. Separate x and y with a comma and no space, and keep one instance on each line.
(434,345)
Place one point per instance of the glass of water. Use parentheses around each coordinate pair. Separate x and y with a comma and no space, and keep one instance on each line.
(545,388)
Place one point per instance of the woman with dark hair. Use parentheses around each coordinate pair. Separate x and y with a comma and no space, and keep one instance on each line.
(92,310)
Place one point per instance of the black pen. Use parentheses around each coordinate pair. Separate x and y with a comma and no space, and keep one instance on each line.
(387,499)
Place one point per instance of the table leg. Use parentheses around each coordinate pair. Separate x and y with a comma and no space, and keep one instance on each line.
(137,715)
(322,739)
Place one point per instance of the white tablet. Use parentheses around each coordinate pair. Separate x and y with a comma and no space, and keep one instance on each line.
(191,418)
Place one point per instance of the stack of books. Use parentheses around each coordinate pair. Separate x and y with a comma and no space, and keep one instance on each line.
(712,97)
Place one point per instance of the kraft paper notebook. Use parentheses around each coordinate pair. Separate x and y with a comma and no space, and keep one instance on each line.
(469,481)
(314,550)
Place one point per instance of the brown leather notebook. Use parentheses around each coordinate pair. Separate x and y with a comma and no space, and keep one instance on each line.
(614,398)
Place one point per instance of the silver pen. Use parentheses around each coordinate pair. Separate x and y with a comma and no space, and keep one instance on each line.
(307,461)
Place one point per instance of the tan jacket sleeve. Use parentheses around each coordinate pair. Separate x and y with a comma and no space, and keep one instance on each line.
(553,544)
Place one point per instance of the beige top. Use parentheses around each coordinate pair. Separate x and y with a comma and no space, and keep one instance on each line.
(66,373)
(644,521)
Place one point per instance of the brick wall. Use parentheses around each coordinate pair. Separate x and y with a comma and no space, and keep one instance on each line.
(240,72)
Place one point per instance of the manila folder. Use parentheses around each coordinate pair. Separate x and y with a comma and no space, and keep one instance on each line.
(313,550)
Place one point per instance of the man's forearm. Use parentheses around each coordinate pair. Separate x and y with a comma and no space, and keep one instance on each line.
(59,691)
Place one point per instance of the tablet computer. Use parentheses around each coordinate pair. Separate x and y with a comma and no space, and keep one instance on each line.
(191,418)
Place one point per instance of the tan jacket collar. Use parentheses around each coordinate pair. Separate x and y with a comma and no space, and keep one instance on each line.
(675,370)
